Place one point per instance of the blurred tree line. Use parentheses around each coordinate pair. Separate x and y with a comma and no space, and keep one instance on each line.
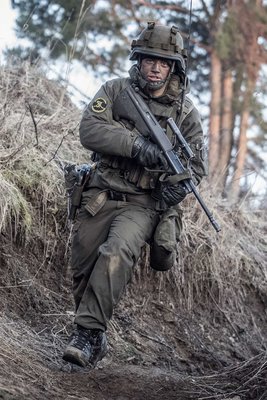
(227,47)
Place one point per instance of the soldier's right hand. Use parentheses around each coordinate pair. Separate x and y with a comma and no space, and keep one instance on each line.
(148,154)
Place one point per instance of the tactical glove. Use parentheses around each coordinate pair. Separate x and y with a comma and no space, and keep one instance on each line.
(148,154)
(173,194)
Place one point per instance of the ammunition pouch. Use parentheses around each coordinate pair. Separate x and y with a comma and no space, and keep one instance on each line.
(131,171)
(163,251)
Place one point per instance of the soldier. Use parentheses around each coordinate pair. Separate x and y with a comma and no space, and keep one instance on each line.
(124,200)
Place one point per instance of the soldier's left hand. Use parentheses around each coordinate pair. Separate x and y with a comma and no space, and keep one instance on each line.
(173,194)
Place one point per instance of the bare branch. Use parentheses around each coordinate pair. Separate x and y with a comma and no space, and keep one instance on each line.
(34,123)
(60,144)
(162,6)
(205,8)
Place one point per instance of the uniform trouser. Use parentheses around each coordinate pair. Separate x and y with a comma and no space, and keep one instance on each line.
(105,248)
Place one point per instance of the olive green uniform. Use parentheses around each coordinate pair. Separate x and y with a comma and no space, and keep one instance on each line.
(118,214)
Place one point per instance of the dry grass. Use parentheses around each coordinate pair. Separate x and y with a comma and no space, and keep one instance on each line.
(245,381)
(222,267)
(28,360)
(38,136)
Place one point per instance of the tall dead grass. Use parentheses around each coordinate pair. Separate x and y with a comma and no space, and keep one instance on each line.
(223,267)
(38,135)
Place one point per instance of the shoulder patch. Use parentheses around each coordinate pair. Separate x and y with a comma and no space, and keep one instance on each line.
(99,105)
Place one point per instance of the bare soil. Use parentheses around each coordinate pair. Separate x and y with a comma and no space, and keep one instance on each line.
(156,349)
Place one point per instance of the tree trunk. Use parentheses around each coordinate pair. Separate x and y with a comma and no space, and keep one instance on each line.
(251,33)
(215,113)
(226,129)
(242,145)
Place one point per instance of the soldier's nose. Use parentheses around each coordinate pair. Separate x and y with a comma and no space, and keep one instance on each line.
(156,65)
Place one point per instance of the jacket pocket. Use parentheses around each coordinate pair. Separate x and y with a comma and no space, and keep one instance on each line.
(94,201)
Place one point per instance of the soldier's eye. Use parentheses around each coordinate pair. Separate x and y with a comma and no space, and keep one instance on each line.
(163,63)
(149,60)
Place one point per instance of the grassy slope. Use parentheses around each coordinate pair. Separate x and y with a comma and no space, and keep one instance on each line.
(207,316)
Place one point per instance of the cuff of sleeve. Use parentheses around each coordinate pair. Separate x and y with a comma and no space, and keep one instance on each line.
(130,144)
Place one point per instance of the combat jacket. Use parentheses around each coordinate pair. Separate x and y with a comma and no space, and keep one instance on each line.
(105,134)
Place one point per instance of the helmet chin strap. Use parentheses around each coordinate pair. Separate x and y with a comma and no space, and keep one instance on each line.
(155,85)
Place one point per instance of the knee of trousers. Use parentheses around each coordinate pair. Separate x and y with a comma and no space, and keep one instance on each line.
(119,251)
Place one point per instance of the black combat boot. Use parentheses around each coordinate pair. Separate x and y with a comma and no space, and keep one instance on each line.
(86,347)
(99,346)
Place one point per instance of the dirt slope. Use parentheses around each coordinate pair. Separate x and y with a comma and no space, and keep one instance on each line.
(197,332)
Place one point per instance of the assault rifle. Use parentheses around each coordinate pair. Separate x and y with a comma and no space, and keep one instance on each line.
(132,106)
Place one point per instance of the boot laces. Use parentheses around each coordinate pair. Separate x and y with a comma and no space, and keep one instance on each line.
(81,340)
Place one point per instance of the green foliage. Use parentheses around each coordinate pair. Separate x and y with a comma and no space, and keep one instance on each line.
(97,33)
(92,32)
(50,25)
(229,40)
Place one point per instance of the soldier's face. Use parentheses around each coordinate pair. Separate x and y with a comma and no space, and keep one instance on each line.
(155,70)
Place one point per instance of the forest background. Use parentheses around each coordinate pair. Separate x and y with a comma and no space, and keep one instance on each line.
(226,42)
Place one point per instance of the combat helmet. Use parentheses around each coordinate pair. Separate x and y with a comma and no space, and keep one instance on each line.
(160,41)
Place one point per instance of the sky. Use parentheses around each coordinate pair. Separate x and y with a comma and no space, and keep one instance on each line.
(7,16)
